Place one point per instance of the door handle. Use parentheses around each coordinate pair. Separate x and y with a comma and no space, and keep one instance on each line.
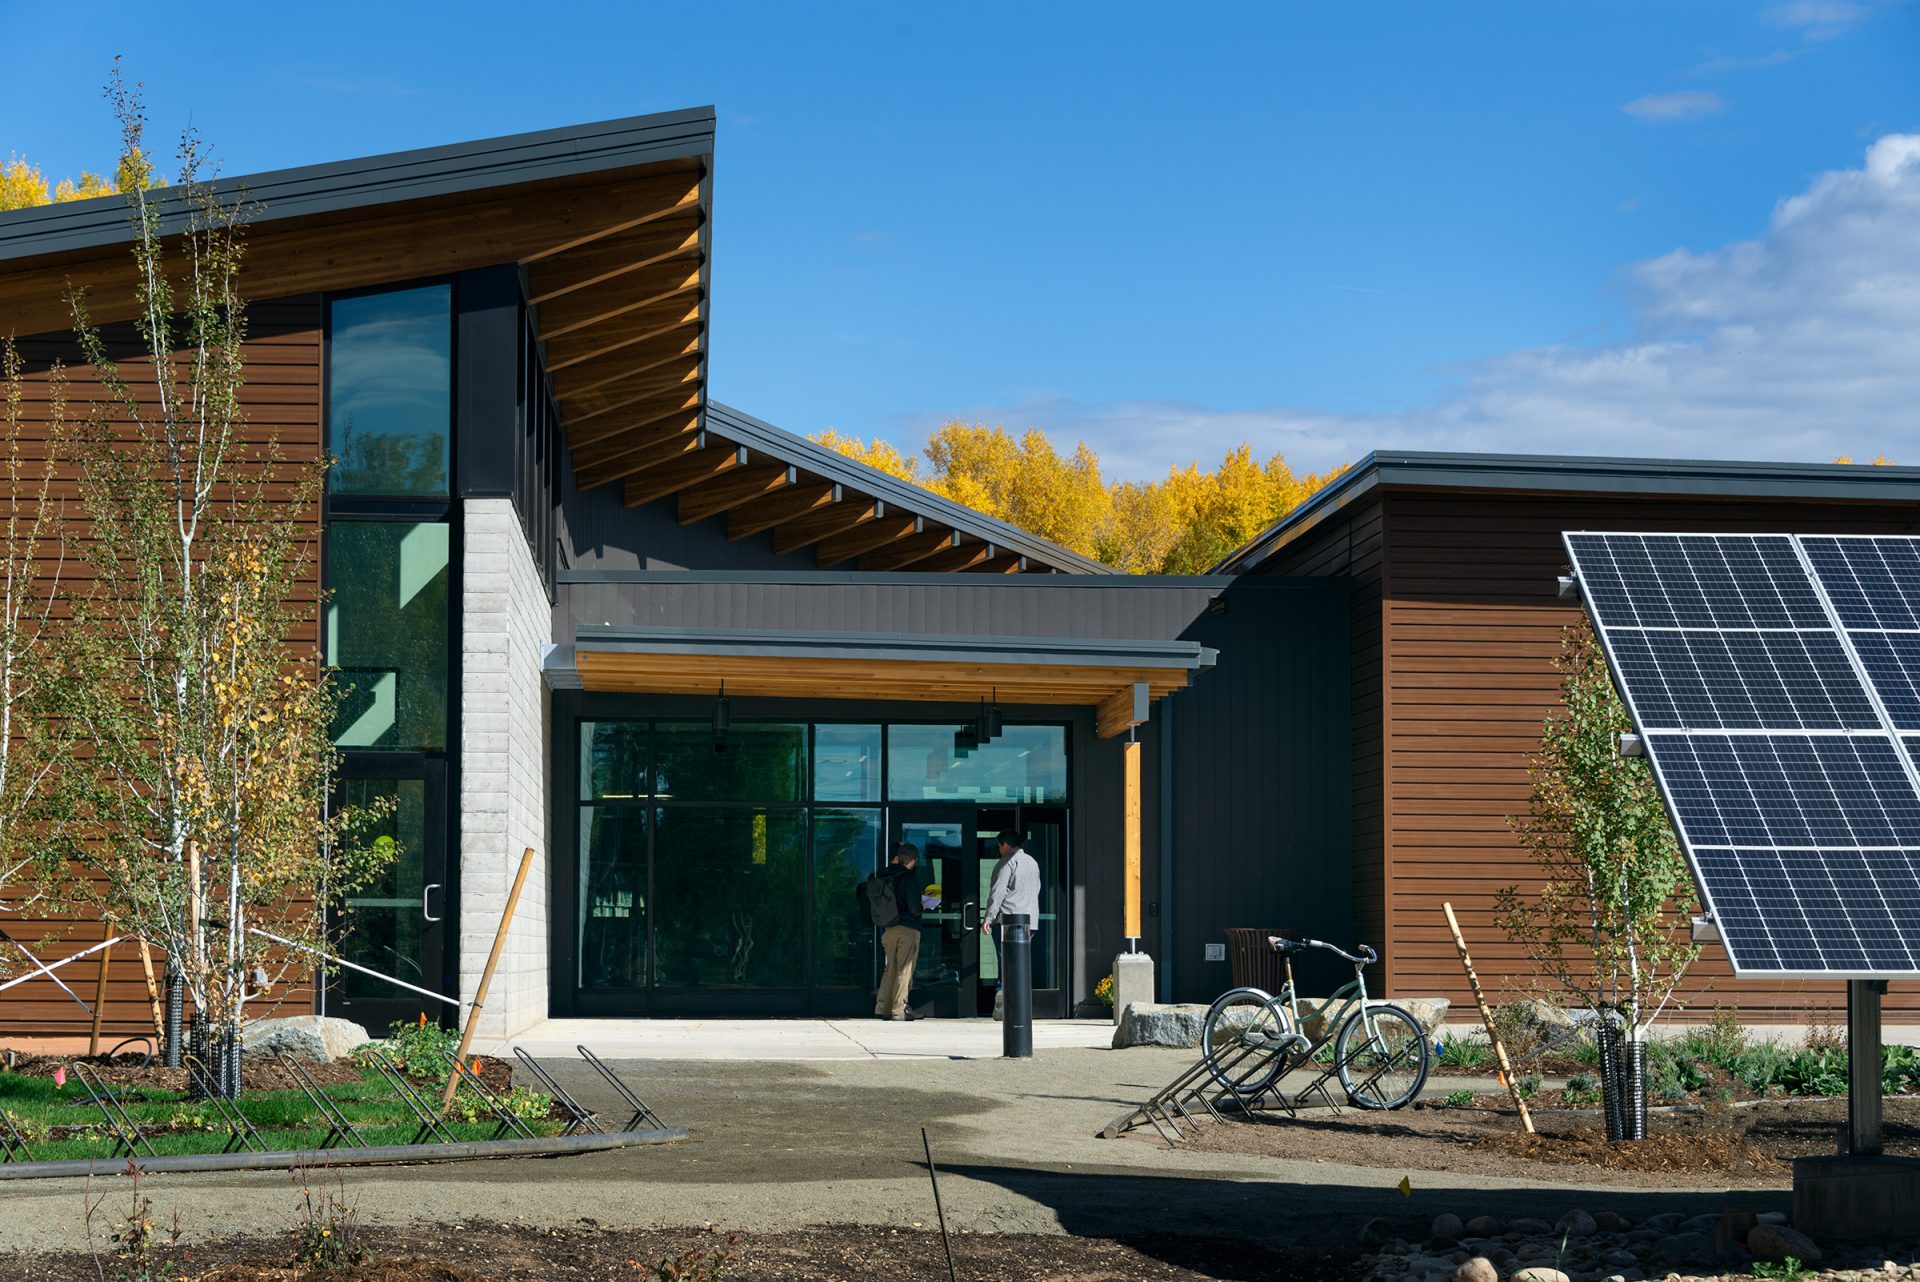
(965,908)
(426,891)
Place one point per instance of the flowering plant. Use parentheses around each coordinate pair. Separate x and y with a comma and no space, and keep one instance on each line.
(1103,991)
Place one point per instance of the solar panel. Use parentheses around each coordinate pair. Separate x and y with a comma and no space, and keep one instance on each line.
(1771,678)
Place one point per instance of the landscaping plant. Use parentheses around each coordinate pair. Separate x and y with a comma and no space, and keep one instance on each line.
(326,1226)
(1609,923)
(207,717)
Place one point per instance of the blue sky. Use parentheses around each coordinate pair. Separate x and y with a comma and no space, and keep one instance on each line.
(1647,228)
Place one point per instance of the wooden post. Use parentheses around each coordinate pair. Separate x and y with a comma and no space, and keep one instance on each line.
(1486,1016)
(1130,824)
(486,979)
(153,994)
(99,1002)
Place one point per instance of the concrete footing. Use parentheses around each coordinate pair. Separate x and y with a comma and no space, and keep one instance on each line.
(1853,1199)
(1132,981)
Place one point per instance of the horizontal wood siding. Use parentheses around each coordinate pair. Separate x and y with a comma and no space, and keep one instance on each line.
(1473,624)
(281,398)
(1351,547)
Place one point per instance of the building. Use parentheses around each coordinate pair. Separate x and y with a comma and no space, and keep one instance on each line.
(709,671)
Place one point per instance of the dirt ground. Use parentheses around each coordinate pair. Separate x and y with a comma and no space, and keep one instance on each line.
(1743,1146)
(485,1253)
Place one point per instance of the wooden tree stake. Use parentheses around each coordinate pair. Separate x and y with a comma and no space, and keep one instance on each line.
(1486,1016)
(486,979)
(153,993)
(99,1001)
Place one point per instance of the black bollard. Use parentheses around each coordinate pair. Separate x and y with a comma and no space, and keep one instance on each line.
(1016,982)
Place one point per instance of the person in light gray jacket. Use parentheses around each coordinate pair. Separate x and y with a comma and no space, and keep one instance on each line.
(1016,886)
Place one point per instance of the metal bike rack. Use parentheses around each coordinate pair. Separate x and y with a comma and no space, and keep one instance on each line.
(641,1113)
(338,1127)
(504,1120)
(240,1132)
(580,1119)
(431,1123)
(127,1135)
(13,1145)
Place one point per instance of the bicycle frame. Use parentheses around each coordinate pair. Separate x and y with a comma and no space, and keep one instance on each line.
(1344,997)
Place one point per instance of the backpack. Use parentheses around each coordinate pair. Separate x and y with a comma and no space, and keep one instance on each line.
(878,893)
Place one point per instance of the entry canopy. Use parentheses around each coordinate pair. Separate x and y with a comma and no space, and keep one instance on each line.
(1119,678)
(1774,681)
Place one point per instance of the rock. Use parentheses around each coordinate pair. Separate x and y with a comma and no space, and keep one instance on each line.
(1684,1248)
(1447,1228)
(1478,1269)
(1375,1232)
(1529,1227)
(1775,1242)
(1771,1217)
(1155,1024)
(317,1039)
(1430,1011)
(1665,1222)
(1609,1222)
(1485,1226)
(1576,1224)
(1707,1224)
(1541,1273)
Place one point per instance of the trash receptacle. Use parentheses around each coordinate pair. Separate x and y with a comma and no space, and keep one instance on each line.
(1254,963)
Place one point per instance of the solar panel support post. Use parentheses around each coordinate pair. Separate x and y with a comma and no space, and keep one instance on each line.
(1863,1067)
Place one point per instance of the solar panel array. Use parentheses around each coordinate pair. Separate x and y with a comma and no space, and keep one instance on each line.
(1775,681)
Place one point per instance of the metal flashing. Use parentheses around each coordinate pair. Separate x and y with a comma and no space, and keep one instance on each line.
(1577,474)
(379,180)
(743,642)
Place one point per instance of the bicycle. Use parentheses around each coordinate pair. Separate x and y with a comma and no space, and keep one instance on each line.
(1252,1038)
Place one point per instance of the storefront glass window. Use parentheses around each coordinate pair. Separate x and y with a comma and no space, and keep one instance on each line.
(846,850)
(752,762)
(390,391)
(846,763)
(933,763)
(387,633)
(613,897)
(731,887)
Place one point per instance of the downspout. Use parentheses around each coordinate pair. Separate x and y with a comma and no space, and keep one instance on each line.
(1166,848)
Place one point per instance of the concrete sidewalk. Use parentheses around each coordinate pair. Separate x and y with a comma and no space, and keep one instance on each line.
(778,1040)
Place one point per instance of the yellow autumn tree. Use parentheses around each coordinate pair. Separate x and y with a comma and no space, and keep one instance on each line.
(23,186)
(1182,524)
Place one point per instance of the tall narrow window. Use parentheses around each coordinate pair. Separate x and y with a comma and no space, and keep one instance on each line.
(390,392)
(387,633)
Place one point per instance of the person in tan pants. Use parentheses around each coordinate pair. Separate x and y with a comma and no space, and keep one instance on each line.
(901,940)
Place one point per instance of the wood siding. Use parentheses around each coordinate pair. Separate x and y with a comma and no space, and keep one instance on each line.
(1472,625)
(1351,546)
(281,398)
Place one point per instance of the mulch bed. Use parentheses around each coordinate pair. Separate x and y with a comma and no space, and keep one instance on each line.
(502,1253)
(1716,1147)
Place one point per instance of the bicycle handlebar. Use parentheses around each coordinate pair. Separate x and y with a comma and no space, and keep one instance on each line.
(1366,955)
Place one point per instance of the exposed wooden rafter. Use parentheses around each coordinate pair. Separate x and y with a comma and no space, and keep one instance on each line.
(866,536)
(789,504)
(807,530)
(662,479)
(903,553)
(669,446)
(711,498)
(617,256)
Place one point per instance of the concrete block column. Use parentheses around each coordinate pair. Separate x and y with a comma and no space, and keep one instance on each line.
(506,623)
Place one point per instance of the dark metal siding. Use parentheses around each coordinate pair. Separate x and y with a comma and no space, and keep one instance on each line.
(600,532)
(1261,781)
(954,606)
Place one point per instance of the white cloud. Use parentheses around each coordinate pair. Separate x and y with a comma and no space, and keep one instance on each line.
(1682,104)
(1819,19)
(1802,344)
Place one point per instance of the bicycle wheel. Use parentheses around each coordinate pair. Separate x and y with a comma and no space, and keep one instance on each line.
(1385,1066)
(1245,1039)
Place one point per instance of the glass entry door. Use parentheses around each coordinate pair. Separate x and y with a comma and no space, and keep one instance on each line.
(946,982)
(395,925)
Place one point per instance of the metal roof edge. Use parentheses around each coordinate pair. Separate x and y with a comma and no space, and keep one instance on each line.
(377,180)
(737,425)
(874,645)
(1568,473)
(905,578)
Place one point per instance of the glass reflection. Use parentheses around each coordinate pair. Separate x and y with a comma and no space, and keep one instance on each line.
(1026,763)
(387,633)
(389,391)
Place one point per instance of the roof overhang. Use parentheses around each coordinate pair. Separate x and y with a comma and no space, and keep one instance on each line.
(1118,678)
(608,223)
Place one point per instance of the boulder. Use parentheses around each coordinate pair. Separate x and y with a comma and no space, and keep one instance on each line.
(1447,1228)
(1430,1011)
(1529,1227)
(1665,1222)
(1478,1269)
(317,1039)
(1540,1273)
(1485,1226)
(1156,1024)
(1376,1232)
(1576,1224)
(1611,1222)
(1775,1242)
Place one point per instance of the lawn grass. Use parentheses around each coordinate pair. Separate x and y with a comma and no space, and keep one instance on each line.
(287,1120)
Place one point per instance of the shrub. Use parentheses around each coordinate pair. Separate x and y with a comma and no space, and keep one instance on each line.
(327,1228)
(1458,1099)
(1721,1043)
(690,1265)
(420,1049)
(1672,1071)
(1464,1052)
(1528,1086)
